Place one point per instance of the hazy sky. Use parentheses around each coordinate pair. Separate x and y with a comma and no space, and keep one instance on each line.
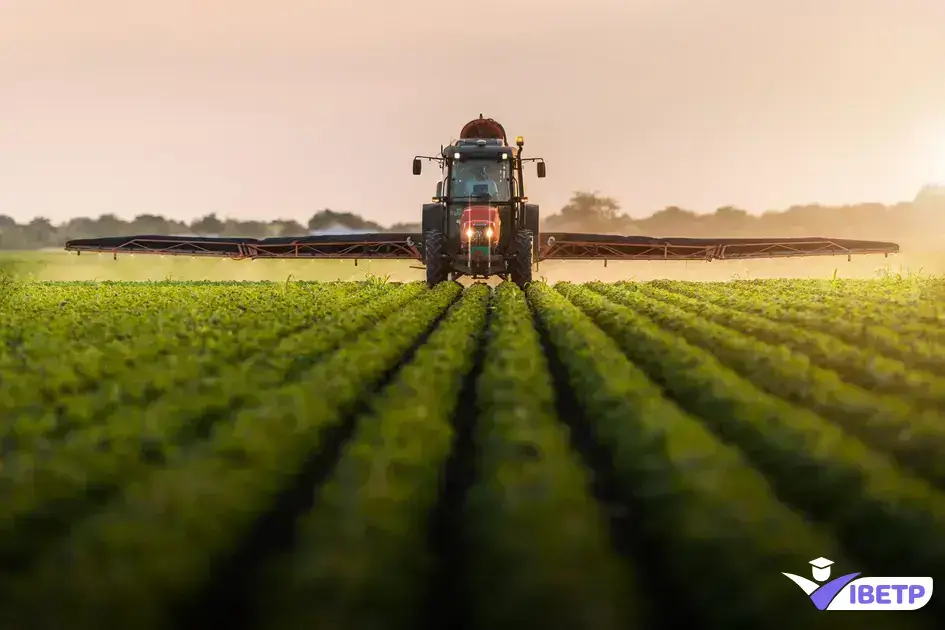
(277,109)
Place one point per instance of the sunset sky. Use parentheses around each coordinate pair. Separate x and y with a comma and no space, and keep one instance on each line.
(278,109)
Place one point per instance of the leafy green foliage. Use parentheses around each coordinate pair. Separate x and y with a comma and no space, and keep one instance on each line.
(284,448)
(708,511)
(916,438)
(811,462)
(539,545)
(362,552)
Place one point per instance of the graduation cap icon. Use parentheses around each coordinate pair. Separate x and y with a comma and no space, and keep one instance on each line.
(821,568)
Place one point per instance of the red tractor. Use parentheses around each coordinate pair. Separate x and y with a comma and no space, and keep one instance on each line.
(480,223)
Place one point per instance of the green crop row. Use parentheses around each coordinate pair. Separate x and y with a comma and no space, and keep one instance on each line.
(855,364)
(909,307)
(43,314)
(371,455)
(917,353)
(154,545)
(811,463)
(916,438)
(540,554)
(186,350)
(112,449)
(912,312)
(705,511)
(361,552)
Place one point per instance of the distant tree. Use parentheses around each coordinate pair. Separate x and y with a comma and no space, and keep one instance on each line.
(251,229)
(931,195)
(208,224)
(328,218)
(591,207)
(284,227)
(39,232)
(671,221)
(918,221)
(729,221)
(406,227)
(586,212)
(150,224)
(110,225)
(731,214)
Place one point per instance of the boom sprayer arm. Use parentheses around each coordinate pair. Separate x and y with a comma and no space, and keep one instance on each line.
(483,230)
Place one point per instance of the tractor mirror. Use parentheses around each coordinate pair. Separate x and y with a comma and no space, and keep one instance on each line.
(439,189)
(416,166)
(541,169)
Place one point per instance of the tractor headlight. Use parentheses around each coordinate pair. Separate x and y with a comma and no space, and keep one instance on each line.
(488,232)
(469,233)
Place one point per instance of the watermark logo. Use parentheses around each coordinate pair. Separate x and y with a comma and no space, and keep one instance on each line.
(850,592)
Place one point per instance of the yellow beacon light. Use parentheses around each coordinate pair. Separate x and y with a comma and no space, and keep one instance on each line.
(519,140)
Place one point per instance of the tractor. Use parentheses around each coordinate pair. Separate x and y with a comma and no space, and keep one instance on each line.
(480,223)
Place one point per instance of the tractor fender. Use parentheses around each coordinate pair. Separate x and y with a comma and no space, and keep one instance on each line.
(433,217)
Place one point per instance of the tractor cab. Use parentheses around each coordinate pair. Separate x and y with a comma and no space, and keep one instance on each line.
(478,188)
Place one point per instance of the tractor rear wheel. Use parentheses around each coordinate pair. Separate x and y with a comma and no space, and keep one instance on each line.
(434,243)
(520,267)
(531,224)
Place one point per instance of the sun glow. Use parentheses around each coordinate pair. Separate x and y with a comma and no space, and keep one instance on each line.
(929,152)
(938,167)
(935,147)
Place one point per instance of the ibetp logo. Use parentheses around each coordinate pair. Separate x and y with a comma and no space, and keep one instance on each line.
(848,592)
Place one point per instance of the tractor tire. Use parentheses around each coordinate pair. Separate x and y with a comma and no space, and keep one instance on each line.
(433,217)
(438,270)
(520,267)
(532,220)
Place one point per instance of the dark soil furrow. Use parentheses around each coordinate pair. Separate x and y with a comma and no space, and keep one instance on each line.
(449,606)
(626,520)
(229,600)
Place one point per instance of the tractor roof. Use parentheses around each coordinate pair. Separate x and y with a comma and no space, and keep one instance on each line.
(478,148)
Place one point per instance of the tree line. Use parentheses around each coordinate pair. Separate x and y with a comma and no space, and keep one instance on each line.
(920,220)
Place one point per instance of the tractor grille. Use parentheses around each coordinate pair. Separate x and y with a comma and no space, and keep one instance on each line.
(478,236)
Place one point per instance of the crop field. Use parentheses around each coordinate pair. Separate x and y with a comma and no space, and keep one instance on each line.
(58,265)
(379,455)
